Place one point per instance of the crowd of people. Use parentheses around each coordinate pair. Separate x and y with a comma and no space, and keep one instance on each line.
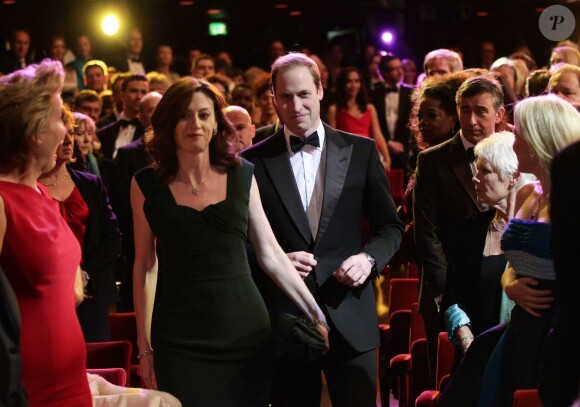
(222,201)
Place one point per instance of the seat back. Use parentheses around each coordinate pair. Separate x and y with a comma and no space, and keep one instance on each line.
(105,355)
(445,357)
(396,178)
(114,375)
(124,328)
(527,398)
(403,292)
(417,330)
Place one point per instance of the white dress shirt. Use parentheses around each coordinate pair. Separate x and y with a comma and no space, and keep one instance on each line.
(308,166)
(124,137)
(392,111)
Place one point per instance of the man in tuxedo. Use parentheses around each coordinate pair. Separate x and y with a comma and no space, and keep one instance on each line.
(242,122)
(130,59)
(88,102)
(130,159)
(444,194)
(95,75)
(317,185)
(128,128)
(19,55)
(393,104)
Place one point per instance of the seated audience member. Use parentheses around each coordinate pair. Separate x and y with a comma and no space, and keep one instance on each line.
(442,62)
(221,83)
(19,54)
(514,361)
(158,82)
(537,82)
(164,59)
(409,72)
(564,54)
(373,78)
(130,159)
(84,204)
(203,66)
(265,113)
(242,123)
(513,73)
(472,298)
(83,53)
(95,74)
(353,112)
(486,53)
(89,103)
(86,144)
(565,83)
(112,116)
(39,253)
(243,95)
(58,50)
(509,95)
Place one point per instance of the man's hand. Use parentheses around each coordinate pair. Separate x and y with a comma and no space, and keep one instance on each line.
(354,271)
(396,147)
(303,262)
(531,300)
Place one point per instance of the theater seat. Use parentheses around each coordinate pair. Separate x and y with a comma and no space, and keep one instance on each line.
(105,355)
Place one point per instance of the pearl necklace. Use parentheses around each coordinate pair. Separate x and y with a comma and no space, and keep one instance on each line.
(60,181)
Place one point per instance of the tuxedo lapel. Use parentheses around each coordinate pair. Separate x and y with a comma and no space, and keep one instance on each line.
(461,168)
(338,154)
(278,167)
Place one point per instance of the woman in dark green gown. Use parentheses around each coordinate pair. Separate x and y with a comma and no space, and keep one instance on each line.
(194,208)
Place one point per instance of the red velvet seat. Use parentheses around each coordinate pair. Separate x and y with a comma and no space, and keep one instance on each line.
(445,358)
(124,328)
(403,292)
(527,398)
(396,179)
(105,355)
(114,375)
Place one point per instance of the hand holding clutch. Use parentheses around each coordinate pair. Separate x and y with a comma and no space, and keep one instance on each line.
(305,339)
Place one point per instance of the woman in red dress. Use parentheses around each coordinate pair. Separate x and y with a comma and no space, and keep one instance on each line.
(38,251)
(354,114)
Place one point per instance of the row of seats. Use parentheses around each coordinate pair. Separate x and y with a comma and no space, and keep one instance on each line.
(403,365)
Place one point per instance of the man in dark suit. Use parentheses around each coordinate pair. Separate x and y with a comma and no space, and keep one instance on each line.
(131,59)
(19,55)
(445,194)
(317,184)
(393,104)
(130,159)
(559,382)
(128,128)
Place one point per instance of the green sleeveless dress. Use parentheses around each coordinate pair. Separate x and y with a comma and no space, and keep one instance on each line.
(211,331)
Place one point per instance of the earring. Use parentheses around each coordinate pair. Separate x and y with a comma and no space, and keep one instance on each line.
(214,133)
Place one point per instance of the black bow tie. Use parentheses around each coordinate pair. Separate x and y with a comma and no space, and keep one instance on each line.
(297,143)
(133,122)
(393,89)
(136,60)
(470,154)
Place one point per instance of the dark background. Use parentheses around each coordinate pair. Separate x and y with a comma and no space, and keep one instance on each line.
(418,25)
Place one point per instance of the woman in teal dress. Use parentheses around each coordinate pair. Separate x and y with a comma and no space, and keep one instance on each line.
(544,125)
(195,207)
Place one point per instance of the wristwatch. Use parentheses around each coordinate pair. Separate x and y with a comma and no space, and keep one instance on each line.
(371,260)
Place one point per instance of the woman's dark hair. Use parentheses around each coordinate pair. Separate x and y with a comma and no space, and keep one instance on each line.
(223,148)
(362,98)
(442,89)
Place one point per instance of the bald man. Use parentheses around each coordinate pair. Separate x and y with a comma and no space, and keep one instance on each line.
(242,122)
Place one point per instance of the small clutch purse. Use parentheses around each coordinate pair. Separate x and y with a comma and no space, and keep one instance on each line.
(302,338)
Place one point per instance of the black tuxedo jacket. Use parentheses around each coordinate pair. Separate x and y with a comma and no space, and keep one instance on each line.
(108,136)
(444,195)
(130,159)
(402,132)
(11,389)
(355,187)
(102,240)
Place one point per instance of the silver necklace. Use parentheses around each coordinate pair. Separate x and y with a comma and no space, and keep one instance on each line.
(194,188)
(60,181)
(498,223)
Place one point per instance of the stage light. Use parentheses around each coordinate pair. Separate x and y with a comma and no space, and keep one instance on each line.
(110,25)
(387,37)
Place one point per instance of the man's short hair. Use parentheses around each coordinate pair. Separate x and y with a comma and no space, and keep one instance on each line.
(481,84)
(131,78)
(95,62)
(385,59)
(87,95)
(452,58)
(294,60)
